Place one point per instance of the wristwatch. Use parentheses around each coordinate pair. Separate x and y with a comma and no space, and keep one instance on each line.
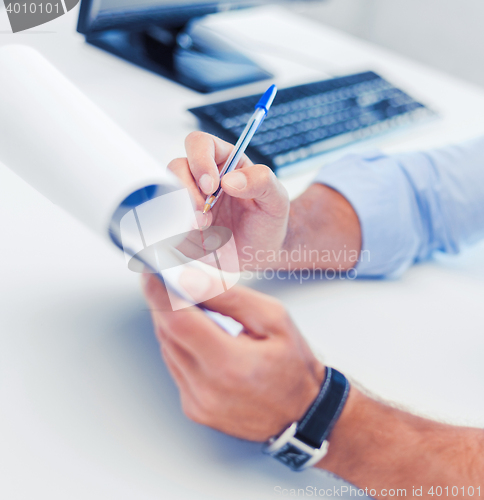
(304,443)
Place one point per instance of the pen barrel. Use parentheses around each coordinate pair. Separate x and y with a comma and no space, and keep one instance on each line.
(239,149)
(243,142)
(241,145)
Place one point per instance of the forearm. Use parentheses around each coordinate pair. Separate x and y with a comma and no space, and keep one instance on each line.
(381,213)
(412,205)
(323,232)
(375,447)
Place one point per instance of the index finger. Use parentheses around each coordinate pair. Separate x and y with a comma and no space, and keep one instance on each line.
(258,313)
(206,154)
(191,328)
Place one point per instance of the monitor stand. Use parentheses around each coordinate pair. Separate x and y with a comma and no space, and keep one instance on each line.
(192,55)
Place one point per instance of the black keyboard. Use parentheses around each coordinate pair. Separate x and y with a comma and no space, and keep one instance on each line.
(311,119)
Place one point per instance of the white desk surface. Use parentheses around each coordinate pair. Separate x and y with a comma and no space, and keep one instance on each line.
(88,410)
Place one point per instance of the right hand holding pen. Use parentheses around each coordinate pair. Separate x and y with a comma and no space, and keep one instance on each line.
(254,205)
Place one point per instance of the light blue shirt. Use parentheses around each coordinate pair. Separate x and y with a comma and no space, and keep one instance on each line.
(412,205)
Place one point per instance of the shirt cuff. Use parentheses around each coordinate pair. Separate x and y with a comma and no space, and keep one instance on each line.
(379,192)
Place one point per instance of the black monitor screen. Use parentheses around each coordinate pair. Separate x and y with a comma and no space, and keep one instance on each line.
(110,14)
(127,5)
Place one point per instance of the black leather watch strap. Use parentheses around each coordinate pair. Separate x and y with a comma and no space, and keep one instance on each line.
(318,422)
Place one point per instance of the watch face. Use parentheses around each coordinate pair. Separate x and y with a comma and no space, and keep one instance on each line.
(291,456)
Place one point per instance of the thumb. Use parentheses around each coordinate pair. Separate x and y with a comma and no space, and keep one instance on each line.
(260,314)
(259,183)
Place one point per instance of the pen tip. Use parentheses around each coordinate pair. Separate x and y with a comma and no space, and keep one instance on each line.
(206,208)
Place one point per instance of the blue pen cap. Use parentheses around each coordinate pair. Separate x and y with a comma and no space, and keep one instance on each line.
(266,100)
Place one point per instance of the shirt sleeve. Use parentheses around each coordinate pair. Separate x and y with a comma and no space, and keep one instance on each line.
(412,205)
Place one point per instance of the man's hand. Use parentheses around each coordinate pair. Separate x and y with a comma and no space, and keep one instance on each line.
(254,204)
(252,386)
(255,385)
(318,230)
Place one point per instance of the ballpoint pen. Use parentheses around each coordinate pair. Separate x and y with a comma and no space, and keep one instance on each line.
(261,110)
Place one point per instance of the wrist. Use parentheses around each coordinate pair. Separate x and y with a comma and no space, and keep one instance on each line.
(323,231)
(297,405)
(304,442)
(343,435)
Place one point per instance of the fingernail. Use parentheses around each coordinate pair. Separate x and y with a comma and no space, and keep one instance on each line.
(236,180)
(202,219)
(212,242)
(206,184)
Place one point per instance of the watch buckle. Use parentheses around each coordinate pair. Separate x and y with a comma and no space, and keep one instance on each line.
(288,436)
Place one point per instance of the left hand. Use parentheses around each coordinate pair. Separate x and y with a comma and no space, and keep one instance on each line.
(252,386)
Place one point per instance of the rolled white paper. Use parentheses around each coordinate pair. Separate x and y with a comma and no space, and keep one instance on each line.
(62,144)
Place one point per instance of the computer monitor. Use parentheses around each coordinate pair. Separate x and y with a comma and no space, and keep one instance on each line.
(165,37)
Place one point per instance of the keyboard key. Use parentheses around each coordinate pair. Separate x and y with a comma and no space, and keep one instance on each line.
(316,117)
